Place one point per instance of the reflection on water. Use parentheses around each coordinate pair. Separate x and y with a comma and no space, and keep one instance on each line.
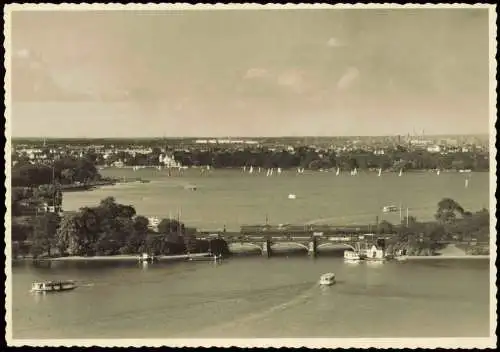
(254,297)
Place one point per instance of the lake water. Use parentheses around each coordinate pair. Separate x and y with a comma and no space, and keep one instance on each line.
(234,198)
(255,297)
(258,297)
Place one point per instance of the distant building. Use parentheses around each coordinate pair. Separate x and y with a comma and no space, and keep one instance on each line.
(153,223)
(434,149)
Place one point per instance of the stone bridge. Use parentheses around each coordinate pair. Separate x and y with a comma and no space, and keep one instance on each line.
(309,240)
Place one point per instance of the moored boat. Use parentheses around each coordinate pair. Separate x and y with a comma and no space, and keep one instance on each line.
(352,256)
(53,286)
(146,258)
(327,279)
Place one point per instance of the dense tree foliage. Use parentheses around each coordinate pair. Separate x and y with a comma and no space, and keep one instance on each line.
(312,158)
(66,170)
(453,223)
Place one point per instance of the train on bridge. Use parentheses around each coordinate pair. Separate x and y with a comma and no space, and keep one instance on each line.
(309,237)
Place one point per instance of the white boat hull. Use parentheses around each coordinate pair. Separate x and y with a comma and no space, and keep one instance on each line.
(54,288)
(326,282)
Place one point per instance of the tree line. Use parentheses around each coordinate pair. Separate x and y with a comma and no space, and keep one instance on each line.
(452,224)
(310,158)
(67,170)
(109,228)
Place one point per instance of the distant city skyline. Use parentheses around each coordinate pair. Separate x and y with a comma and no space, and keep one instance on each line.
(249,73)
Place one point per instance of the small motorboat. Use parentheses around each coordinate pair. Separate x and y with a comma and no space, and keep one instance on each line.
(327,279)
(292,196)
(146,258)
(53,286)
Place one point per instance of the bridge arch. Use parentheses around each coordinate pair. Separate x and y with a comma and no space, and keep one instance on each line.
(248,244)
(335,245)
(299,244)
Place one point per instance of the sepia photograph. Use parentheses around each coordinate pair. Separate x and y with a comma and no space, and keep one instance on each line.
(250,175)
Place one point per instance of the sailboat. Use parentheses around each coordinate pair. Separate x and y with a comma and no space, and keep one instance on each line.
(466,183)
(259,170)
(338,171)
(251,170)
(279,170)
(380,172)
(438,172)
(268,172)
(354,172)
(271,173)
(400,172)
(244,168)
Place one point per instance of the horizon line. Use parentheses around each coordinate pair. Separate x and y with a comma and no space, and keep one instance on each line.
(252,137)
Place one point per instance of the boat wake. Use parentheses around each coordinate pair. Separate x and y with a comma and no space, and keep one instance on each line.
(85,284)
(299,299)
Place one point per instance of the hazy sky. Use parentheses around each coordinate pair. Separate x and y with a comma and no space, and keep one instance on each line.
(249,72)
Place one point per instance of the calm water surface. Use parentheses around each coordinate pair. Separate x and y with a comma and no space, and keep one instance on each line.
(234,198)
(255,297)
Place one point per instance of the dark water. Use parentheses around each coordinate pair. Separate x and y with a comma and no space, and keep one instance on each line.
(255,297)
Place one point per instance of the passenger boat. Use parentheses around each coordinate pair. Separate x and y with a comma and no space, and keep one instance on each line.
(146,258)
(53,286)
(327,279)
(351,256)
(390,209)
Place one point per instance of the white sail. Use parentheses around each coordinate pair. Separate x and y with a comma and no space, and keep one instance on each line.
(438,172)
(401,172)
(466,183)
(380,171)
(279,170)
(338,171)
(259,169)
(251,169)
(244,168)
(271,172)
(268,172)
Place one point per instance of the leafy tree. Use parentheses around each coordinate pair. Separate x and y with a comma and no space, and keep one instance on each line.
(44,233)
(385,227)
(171,226)
(68,235)
(447,210)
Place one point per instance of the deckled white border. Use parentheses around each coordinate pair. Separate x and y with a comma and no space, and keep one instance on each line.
(302,342)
